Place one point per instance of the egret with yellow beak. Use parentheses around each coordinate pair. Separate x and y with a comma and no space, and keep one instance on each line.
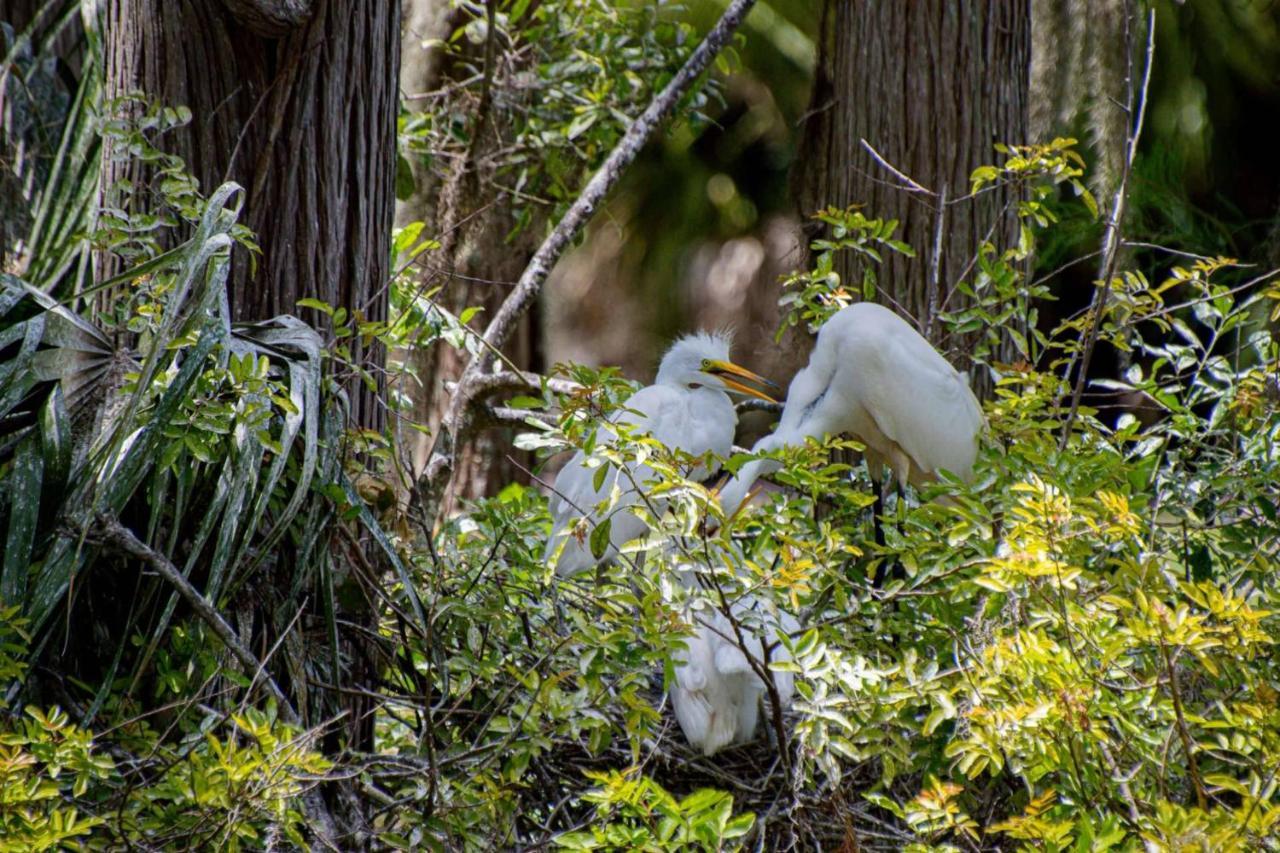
(687,408)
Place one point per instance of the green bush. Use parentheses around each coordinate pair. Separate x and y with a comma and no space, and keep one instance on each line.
(1081,654)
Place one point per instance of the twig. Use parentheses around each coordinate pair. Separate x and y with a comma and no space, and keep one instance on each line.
(1169,309)
(490,384)
(1188,744)
(626,151)
(535,274)
(753,405)
(502,416)
(935,268)
(1111,241)
(115,535)
(1131,804)
(1139,244)
(911,186)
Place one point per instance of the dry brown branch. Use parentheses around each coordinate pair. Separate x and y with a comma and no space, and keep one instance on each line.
(441,459)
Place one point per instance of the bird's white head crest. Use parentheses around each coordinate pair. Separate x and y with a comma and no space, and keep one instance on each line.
(702,360)
(684,360)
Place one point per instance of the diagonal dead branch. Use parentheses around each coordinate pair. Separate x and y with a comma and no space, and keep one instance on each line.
(440,464)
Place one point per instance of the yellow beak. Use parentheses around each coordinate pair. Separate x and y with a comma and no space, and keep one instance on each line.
(726,370)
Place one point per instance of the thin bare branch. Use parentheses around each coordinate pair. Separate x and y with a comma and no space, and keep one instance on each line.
(753,405)
(490,384)
(1112,239)
(935,268)
(911,185)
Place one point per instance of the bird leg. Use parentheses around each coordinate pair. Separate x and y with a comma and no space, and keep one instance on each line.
(888,570)
(875,469)
(877,512)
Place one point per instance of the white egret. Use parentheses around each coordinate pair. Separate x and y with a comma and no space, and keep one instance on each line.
(874,377)
(717,691)
(687,408)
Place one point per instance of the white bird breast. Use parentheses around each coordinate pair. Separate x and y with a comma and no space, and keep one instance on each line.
(694,421)
(717,692)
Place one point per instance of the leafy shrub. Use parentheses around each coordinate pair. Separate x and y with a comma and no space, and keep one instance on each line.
(1080,653)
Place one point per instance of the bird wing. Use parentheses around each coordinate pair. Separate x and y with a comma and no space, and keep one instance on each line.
(674,418)
(693,422)
(703,704)
(736,670)
(915,397)
(575,495)
(730,660)
(649,410)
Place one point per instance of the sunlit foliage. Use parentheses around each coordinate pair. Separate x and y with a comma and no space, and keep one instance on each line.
(1077,651)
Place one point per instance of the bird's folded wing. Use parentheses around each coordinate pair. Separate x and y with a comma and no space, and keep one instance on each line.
(731,661)
(691,677)
(923,404)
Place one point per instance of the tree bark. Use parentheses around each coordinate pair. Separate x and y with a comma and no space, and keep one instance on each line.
(932,86)
(478,261)
(305,121)
(303,116)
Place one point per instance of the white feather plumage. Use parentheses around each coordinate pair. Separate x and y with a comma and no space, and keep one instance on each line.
(717,691)
(874,377)
(695,420)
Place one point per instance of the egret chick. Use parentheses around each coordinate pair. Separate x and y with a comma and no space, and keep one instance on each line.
(873,376)
(687,408)
(717,691)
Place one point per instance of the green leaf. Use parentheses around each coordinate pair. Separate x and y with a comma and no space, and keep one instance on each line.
(581,123)
(405,185)
(317,304)
(599,541)
(23,486)
(56,446)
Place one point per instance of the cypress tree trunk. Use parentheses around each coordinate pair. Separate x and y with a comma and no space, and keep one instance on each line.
(296,101)
(932,86)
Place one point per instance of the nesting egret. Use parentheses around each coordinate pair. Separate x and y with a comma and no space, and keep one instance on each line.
(873,376)
(717,692)
(687,408)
